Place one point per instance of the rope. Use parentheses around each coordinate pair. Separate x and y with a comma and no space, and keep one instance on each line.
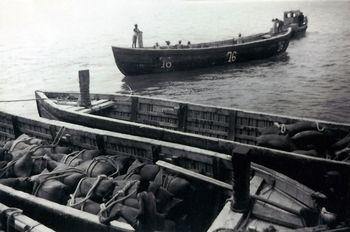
(10,217)
(61,173)
(130,90)
(65,158)
(106,206)
(16,142)
(107,159)
(318,127)
(23,100)
(72,202)
(58,136)
(75,156)
(132,171)
(9,165)
(282,127)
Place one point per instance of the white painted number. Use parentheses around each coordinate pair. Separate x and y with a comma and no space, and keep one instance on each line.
(166,63)
(231,55)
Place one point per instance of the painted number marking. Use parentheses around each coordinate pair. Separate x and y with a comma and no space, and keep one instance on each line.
(166,63)
(231,55)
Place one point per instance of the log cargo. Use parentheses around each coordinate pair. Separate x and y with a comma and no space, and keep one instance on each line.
(137,61)
(295,141)
(127,183)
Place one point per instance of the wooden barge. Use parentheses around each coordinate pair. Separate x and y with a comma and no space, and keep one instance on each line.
(207,127)
(275,201)
(137,61)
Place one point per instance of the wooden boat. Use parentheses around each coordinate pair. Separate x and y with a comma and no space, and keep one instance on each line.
(296,20)
(13,219)
(207,127)
(136,61)
(271,200)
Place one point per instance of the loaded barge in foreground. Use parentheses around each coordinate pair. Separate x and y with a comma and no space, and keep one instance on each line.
(137,61)
(117,182)
(295,141)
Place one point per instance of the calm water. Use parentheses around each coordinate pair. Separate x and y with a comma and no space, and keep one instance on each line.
(44,43)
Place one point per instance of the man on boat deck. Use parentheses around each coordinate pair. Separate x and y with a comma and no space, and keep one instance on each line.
(239,40)
(135,35)
(156,46)
(140,39)
(280,25)
(274,29)
(179,45)
(301,19)
(167,43)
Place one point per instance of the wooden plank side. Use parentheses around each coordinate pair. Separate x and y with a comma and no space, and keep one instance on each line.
(206,121)
(205,131)
(274,215)
(203,108)
(287,185)
(97,107)
(58,217)
(20,222)
(157,114)
(210,108)
(158,102)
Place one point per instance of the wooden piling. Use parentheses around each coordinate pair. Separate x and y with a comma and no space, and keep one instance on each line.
(240,180)
(84,85)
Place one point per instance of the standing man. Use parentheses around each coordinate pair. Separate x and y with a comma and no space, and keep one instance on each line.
(135,35)
(140,39)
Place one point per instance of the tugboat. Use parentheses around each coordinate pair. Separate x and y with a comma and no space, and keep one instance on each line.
(296,20)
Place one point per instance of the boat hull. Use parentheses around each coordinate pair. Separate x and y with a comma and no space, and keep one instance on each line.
(207,127)
(137,61)
(298,31)
(197,164)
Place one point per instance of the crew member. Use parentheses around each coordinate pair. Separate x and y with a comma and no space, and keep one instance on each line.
(135,36)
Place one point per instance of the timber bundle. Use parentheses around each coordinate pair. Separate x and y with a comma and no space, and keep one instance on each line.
(112,187)
(307,138)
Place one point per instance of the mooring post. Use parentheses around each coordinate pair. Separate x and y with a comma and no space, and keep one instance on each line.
(84,85)
(240,180)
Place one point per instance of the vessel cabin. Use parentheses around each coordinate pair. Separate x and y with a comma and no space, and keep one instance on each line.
(290,17)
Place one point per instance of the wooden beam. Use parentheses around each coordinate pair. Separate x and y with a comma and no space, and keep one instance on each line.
(20,222)
(56,216)
(84,85)
(194,175)
(97,107)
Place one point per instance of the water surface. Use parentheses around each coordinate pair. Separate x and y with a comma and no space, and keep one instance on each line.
(43,44)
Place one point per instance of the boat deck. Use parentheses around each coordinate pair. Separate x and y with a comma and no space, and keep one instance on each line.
(95,105)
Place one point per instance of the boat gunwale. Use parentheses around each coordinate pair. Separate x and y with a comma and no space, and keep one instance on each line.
(207,138)
(146,49)
(202,105)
